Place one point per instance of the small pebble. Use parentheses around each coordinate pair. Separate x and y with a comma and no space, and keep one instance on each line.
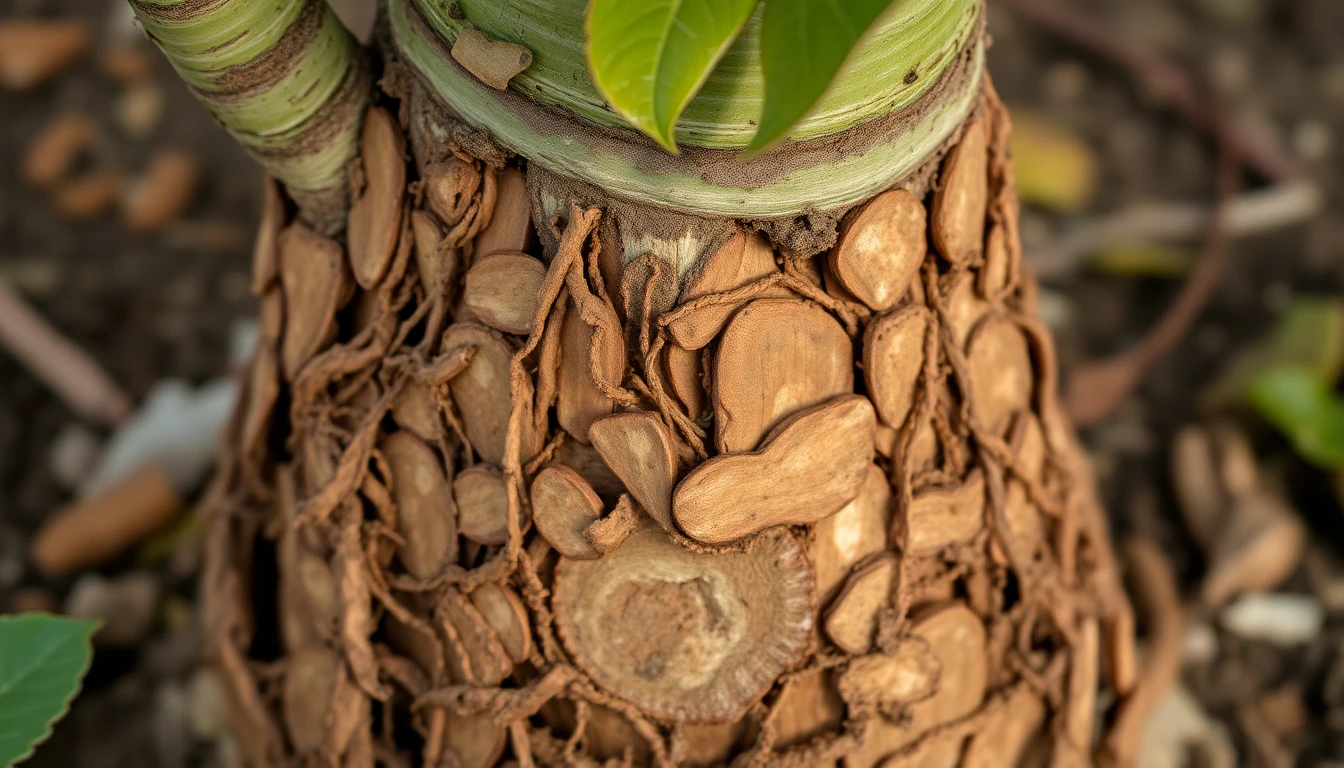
(140,108)
(1312,141)
(1200,644)
(206,705)
(171,724)
(1278,618)
(72,454)
(127,605)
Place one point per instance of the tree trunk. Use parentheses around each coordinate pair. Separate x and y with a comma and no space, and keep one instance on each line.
(546,462)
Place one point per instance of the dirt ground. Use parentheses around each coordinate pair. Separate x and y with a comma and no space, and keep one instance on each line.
(167,305)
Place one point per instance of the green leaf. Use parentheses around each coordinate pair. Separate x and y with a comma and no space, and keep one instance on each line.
(1306,410)
(649,57)
(42,660)
(1309,335)
(804,43)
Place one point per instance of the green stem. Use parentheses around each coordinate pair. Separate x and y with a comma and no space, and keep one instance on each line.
(283,76)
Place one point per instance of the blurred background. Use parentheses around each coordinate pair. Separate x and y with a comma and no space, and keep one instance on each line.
(1200,327)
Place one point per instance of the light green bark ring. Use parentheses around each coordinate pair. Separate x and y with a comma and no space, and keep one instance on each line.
(697,181)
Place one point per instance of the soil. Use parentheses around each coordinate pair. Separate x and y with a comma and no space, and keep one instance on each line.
(160,306)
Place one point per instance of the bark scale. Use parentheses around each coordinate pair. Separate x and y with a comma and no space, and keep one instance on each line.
(536,470)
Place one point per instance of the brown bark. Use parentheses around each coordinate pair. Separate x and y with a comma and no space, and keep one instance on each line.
(778,510)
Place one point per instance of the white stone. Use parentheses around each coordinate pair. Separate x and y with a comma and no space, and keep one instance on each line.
(1278,618)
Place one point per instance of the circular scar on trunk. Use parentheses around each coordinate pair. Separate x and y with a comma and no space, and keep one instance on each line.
(687,636)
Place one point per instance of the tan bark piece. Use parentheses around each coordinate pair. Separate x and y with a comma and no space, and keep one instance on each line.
(965,307)
(858,530)
(504,611)
(639,450)
(311,679)
(611,531)
(893,359)
(415,409)
(33,51)
(479,391)
(727,624)
(1259,546)
(808,706)
(510,227)
(263,389)
(449,187)
(430,262)
(482,504)
(490,664)
(881,248)
(1001,373)
(585,460)
(563,506)
(315,282)
(745,258)
(476,740)
(502,290)
(958,638)
(997,275)
(811,465)
(424,511)
(1027,441)
(375,214)
(684,375)
(162,193)
(851,622)
(89,532)
(53,153)
(908,674)
(493,62)
(941,516)
(957,215)
(709,745)
(1084,674)
(580,402)
(1005,740)
(266,247)
(776,357)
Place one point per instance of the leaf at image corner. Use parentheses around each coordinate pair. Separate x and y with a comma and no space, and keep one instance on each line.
(43,658)
(649,58)
(1306,410)
(804,43)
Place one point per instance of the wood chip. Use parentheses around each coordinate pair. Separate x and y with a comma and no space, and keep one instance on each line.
(431,264)
(1259,546)
(958,209)
(415,409)
(493,62)
(1006,739)
(998,275)
(510,227)
(856,531)
(1003,380)
(563,506)
(475,740)
(727,624)
(450,186)
(490,664)
(478,391)
(908,674)
(811,465)
(945,515)
(745,258)
(965,307)
(33,51)
(504,611)
(639,450)
(585,460)
(482,504)
(311,678)
(684,375)
(958,638)
(162,193)
(881,248)
(424,515)
(375,214)
(263,390)
(316,283)
(808,706)
(893,359)
(579,401)
(776,357)
(53,153)
(851,622)
(1027,441)
(502,291)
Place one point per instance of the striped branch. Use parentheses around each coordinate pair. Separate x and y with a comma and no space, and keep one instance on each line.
(283,76)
